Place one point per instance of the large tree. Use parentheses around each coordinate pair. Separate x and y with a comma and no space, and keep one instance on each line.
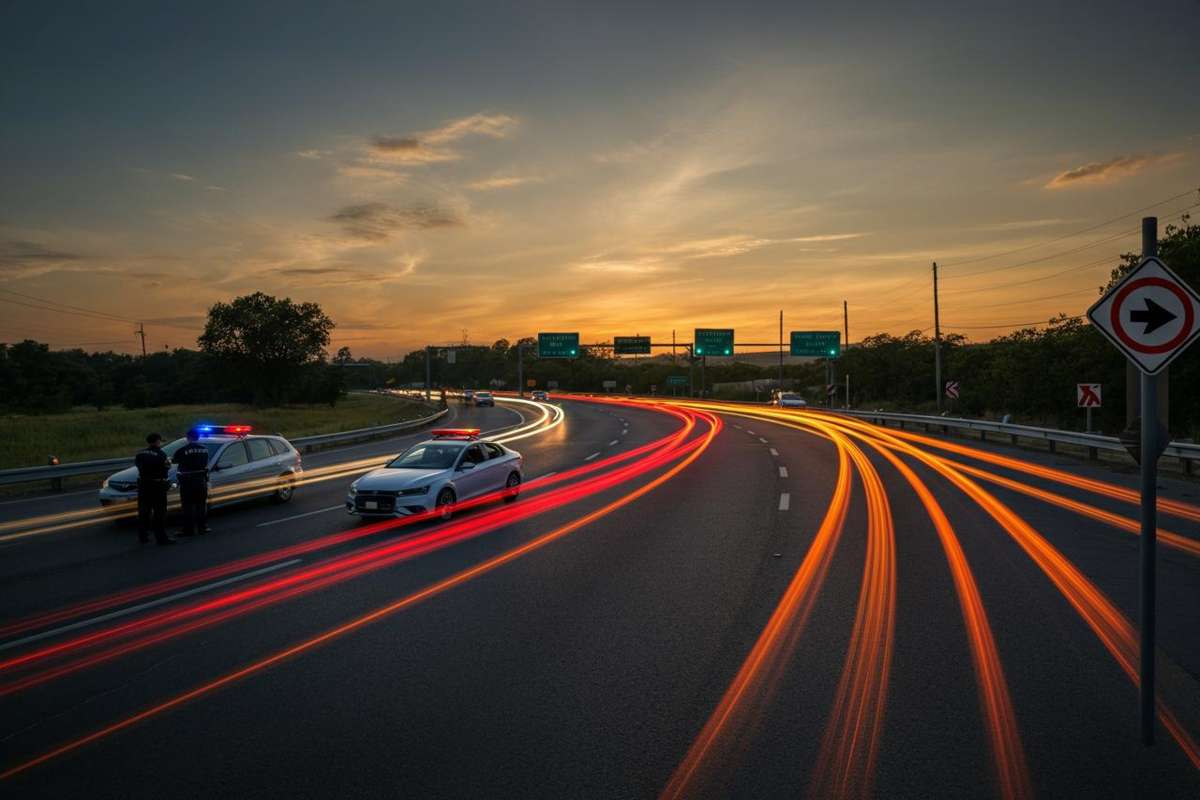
(268,342)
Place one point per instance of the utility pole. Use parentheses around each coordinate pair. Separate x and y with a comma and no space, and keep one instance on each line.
(691,369)
(141,331)
(937,342)
(428,372)
(780,350)
(1150,448)
(520,369)
(845,325)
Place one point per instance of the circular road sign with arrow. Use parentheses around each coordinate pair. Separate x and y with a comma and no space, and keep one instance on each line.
(1151,315)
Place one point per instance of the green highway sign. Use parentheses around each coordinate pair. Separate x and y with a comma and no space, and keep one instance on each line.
(713,341)
(558,345)
(677,380)
(819,344)
(631,345)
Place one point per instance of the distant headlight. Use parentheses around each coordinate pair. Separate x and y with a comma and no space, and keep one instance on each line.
(414,491)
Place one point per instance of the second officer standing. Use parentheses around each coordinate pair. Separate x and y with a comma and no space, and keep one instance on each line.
(192,474)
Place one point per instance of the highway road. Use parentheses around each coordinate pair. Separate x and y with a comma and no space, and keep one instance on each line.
(689,599)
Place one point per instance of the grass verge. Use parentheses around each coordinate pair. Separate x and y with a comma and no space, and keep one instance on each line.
(85,434)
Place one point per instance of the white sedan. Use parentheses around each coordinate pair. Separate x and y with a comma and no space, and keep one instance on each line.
(455,465)
(790,400)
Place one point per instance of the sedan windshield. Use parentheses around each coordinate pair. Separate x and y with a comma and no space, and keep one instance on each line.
(427,456)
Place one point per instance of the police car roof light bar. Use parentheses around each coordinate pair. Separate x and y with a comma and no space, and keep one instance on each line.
(223,430)
(455,433)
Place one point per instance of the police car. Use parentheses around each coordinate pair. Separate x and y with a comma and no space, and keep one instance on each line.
(539,394)
(484,399)
(241,464)
(453,466)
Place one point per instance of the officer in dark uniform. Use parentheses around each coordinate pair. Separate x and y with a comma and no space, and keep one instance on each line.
(153,466)
(192,463)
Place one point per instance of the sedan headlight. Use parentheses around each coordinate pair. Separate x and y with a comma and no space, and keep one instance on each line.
(417,490)
(353,489)
(105,484)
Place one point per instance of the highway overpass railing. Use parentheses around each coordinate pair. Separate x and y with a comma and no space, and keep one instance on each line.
(305,444)
(1188,453)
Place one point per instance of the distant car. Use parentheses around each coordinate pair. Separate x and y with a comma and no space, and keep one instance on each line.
(455,465)
(538,394)
(484,399)
(468,395)
(241,465)
(789,400)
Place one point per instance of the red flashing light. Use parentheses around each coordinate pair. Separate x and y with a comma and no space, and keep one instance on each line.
(455,433)
(238,430)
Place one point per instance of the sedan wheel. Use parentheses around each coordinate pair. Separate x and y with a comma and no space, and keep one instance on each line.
(445,504)
(284,492)
(512,487)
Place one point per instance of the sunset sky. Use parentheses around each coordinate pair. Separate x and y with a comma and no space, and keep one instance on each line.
(611,168)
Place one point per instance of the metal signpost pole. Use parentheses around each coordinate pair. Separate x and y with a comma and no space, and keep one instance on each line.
(1149,465)
(428,373)
(691,369)
(781,350)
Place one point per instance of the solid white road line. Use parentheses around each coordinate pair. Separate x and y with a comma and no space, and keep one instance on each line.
(85,623)
(300,516)
(593,455)
(783,472)
(785,501)
(774,452)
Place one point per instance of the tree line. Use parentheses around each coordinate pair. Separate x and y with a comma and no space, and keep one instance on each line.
(268,351)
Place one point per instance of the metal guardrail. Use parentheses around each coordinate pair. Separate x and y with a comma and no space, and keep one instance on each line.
(304,444)
(1187,453)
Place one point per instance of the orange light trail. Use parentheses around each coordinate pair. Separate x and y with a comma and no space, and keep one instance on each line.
(1106,621)
(850,746)
(1008,756)
(357,623)
(786,620)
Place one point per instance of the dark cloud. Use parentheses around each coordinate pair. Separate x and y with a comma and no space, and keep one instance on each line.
(391,144)
(379,221)
(17,254)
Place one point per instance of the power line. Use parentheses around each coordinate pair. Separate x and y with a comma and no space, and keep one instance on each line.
(1070,235)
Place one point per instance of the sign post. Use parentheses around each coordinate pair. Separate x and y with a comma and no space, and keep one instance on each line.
(1087,396)
(952,389)
(1151,316)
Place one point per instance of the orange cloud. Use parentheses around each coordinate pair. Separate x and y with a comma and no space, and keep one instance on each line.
(1106,171)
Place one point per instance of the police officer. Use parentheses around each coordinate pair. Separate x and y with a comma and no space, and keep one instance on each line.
(192,463)
(153,466)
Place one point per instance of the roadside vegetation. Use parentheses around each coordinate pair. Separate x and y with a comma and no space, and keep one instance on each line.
(82,434)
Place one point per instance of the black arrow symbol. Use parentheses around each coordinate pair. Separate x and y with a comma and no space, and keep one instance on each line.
(1154,315)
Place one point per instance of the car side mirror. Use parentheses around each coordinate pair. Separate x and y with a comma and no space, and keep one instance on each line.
(467,465)
(217,468)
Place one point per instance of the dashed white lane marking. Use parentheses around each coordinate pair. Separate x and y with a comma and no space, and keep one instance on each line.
(614,442)
(783,472)
(43,498)
(761,439)
(752,433)
(593,455)
(774,452)
(543,477)
(785,501)
(299,516)
(84,623)
(739,427)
